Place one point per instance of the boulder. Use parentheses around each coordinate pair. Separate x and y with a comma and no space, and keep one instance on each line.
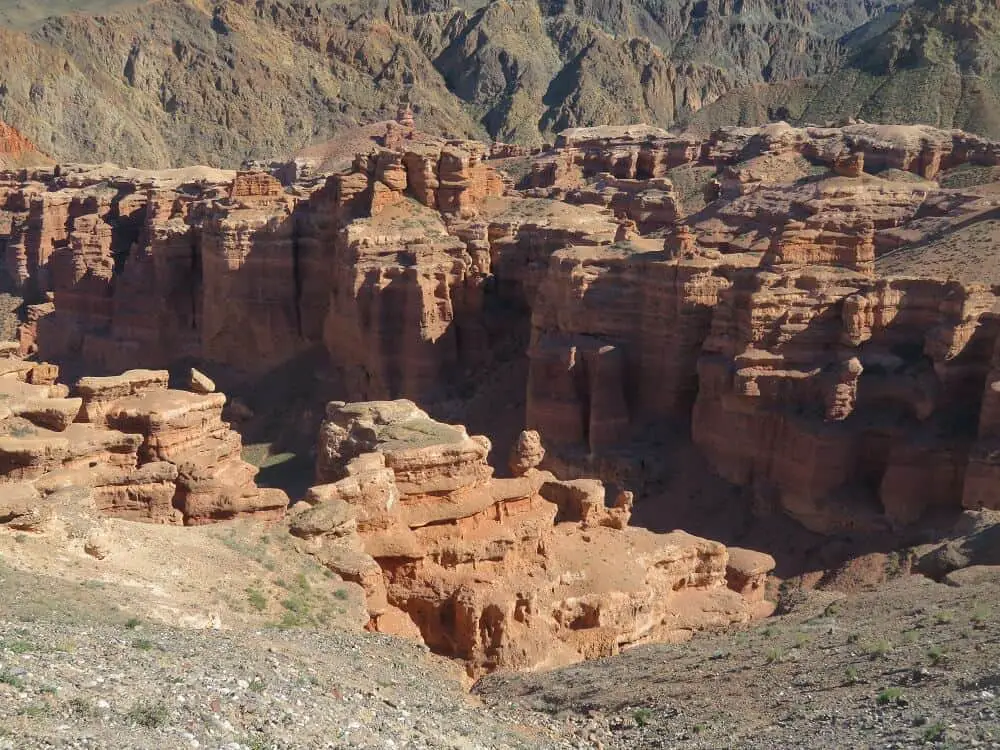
(527,453)
(199,382)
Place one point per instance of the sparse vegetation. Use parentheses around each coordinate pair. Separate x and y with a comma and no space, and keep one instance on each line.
(35,710)
(936,655)
(148,714)
(9,678)
(642,716)
(257,599)
(257,742)
(774,655)
(851,674)
(17,646)
(878,648)
(944,616)
(981,614)
(257,552)
(143,644)
(81,706)
(889,695)
(894,564)
(935,732)
(132,623)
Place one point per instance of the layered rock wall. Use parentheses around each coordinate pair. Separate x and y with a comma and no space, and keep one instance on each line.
(135,448)
(221,267)
(757,314)
(520,573)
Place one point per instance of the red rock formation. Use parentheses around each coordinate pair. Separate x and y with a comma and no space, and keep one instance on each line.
(16,151)
(138,449)
(831,393)
(521,573)
(759,313)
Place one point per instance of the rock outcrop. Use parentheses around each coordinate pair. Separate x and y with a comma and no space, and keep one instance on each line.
(734,287)
(519,573)
(941,48)
(17,152)
(839,396)
(135,448)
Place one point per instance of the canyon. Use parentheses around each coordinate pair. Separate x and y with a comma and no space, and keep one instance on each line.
(742,301)
(769,300)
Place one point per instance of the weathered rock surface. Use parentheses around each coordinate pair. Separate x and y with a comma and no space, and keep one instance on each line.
(841,397)
(940,48)
(137,449)
(733,286)
(17,152)
(520,573)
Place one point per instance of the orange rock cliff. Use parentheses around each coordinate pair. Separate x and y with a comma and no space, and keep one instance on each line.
(752,312)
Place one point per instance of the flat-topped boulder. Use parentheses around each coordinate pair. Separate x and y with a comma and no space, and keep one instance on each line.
(426,457)
(99,393)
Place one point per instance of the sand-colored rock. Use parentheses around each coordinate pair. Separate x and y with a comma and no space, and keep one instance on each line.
(138,449)
(733,282)
(199,382)
(527,453)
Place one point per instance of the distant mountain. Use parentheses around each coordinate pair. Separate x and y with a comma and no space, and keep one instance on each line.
(165,82)
(935,62)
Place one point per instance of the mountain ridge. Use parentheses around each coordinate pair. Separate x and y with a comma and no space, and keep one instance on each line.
(164,83)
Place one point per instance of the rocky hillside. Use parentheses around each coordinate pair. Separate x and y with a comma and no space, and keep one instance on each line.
(162,83)
(935,63)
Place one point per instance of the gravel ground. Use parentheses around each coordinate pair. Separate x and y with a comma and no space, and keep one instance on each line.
(913,664)
(136,686)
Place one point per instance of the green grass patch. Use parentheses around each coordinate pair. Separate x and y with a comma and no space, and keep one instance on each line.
(9,678)
(889,695)
(642,716)
(17,646)
(257,599)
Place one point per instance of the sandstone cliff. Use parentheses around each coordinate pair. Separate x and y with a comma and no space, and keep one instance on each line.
(761,289)
(843,398)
